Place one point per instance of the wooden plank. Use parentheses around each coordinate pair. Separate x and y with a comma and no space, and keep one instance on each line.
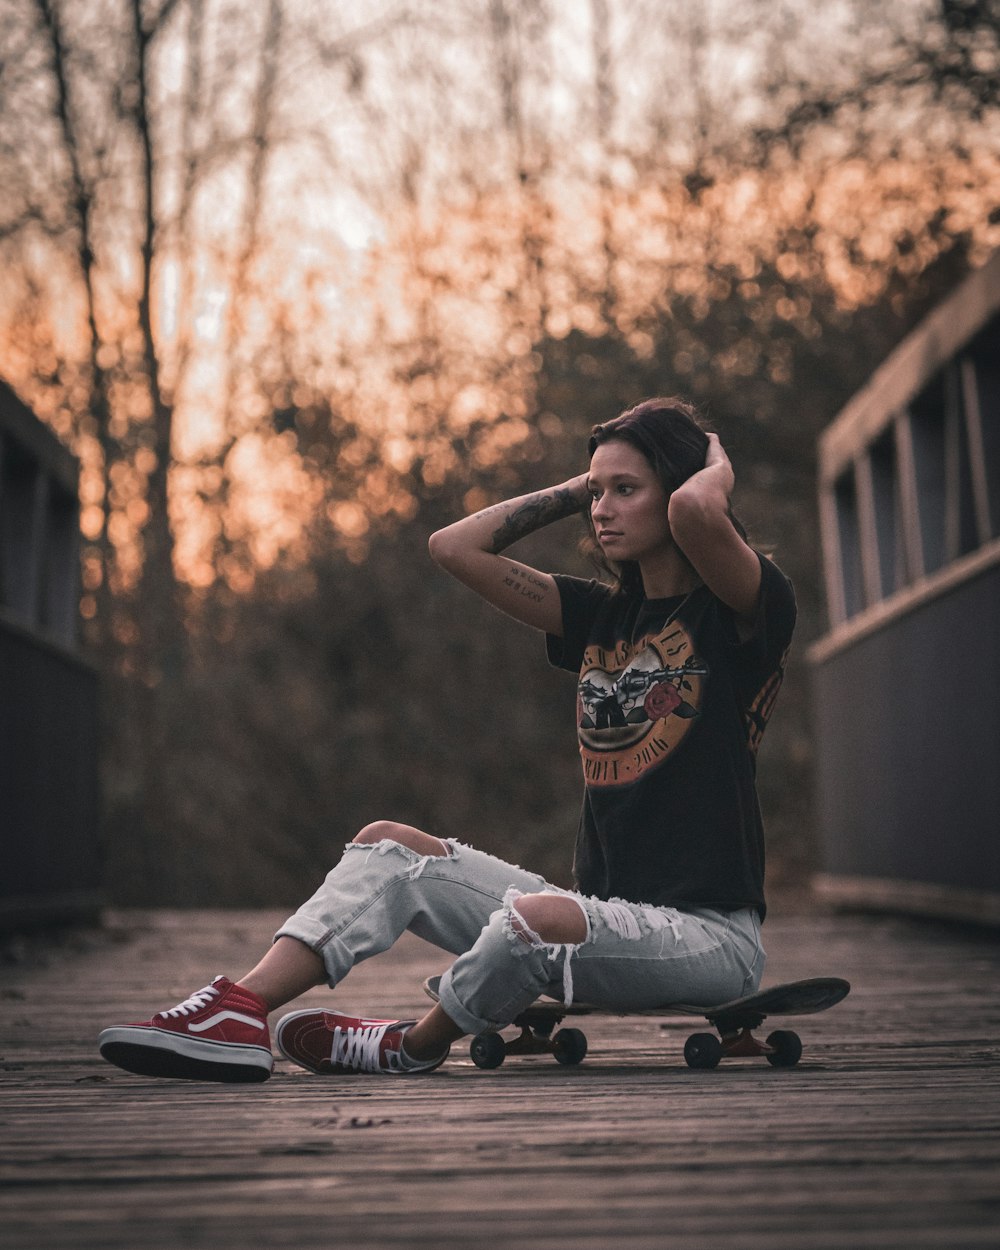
(885,1136)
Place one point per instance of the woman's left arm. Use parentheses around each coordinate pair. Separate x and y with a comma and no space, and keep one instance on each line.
(698,511)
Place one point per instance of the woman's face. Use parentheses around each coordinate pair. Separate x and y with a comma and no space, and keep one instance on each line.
(629,504)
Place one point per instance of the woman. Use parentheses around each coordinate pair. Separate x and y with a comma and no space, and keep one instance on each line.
(679,663)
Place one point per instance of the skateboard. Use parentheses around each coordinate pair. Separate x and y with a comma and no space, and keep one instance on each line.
(734,1023)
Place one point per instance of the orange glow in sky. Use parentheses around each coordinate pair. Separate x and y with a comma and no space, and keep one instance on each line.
(388,264)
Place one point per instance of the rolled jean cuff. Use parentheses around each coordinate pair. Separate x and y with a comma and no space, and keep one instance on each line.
(317,936)
(455,1010)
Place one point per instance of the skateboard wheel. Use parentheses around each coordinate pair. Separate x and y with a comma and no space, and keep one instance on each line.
(488,1050)
(702,1050)
(569,1046)
(787,1049)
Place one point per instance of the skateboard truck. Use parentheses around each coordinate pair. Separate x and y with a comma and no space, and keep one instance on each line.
(568,1046)
(782,1049)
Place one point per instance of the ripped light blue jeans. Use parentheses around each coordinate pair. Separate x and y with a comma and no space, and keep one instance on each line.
(633,956)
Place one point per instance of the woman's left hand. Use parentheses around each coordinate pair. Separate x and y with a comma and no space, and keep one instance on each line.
(717,461)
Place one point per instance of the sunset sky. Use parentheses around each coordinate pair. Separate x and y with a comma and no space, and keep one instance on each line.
(428,194)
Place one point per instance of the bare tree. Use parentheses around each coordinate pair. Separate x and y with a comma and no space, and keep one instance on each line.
(79,207)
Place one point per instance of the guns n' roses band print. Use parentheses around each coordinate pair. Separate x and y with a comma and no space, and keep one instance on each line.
(636,703)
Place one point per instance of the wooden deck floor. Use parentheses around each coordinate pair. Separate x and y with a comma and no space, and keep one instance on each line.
(886,1135)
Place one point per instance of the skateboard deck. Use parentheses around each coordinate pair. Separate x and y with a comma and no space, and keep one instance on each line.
(733,1021)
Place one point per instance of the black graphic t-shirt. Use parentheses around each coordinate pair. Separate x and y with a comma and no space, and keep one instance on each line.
(671,705)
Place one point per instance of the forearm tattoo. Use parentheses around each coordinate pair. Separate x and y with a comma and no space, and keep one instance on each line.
(534,514)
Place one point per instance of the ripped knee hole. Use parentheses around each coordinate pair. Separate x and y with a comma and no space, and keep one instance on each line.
(405,835)
(548,919)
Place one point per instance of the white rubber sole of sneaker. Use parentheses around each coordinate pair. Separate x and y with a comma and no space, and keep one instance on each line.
(153,1052)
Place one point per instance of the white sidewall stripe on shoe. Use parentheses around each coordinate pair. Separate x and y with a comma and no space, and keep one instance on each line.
(218,1018)
(194,1047)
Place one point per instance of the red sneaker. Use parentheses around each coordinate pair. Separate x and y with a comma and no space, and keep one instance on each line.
(218,1034)
(325,1042)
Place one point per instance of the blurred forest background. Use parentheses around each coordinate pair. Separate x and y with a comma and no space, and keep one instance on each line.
(300,281)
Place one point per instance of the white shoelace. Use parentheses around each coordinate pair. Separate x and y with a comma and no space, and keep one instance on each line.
(201,998)
(360,1048)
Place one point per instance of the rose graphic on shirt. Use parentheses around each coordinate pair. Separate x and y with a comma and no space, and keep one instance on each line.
(661,700)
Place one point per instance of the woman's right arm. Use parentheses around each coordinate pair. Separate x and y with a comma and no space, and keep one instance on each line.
(470,550)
